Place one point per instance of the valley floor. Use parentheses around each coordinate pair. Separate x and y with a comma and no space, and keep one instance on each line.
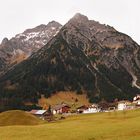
(124,125)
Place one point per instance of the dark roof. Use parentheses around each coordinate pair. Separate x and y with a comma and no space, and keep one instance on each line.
(57,107)
(82,107)
(124,101)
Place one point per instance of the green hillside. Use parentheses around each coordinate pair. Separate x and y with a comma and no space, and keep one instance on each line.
(17,117)
(101,126)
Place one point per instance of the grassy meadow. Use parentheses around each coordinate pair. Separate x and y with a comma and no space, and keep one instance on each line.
(100,126)
(17,117)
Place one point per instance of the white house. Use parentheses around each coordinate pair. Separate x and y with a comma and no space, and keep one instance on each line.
(137,97)
(136,100)
(92,109)
(123,105)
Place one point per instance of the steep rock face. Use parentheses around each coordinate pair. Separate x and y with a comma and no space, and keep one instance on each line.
(85,56)
(115,50)
(24,44)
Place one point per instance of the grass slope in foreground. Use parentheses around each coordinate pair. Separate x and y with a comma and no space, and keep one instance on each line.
(17,117)
(102,126)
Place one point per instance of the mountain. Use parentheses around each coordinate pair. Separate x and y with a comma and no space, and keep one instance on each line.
(86,57)
(24,44)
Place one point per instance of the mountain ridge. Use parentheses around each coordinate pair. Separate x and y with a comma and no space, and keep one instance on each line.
(27,42)
(86,57)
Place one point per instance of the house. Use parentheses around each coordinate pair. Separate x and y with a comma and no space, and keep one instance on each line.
(136,100)
(92,109)
(124,105)
(137,97)
(82,108)
(113,108)
(39,113)
(137,103)
(60,109)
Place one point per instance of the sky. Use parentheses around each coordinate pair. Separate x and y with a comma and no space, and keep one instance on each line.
(18,15)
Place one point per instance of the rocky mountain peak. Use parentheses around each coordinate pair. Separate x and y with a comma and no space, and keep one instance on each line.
(79,17)
(27,42)
(54,24)
(85,56)
(4,41)
(35,29)
(89,28)
(43,27)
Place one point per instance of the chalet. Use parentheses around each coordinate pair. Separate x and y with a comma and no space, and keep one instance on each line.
(137,97)
(112,108)
(92,109)
(124,105)
(82,109)
(60,109)
(39,113)
(136,100)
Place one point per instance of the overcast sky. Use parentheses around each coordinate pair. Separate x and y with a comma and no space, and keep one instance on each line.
(18,15)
